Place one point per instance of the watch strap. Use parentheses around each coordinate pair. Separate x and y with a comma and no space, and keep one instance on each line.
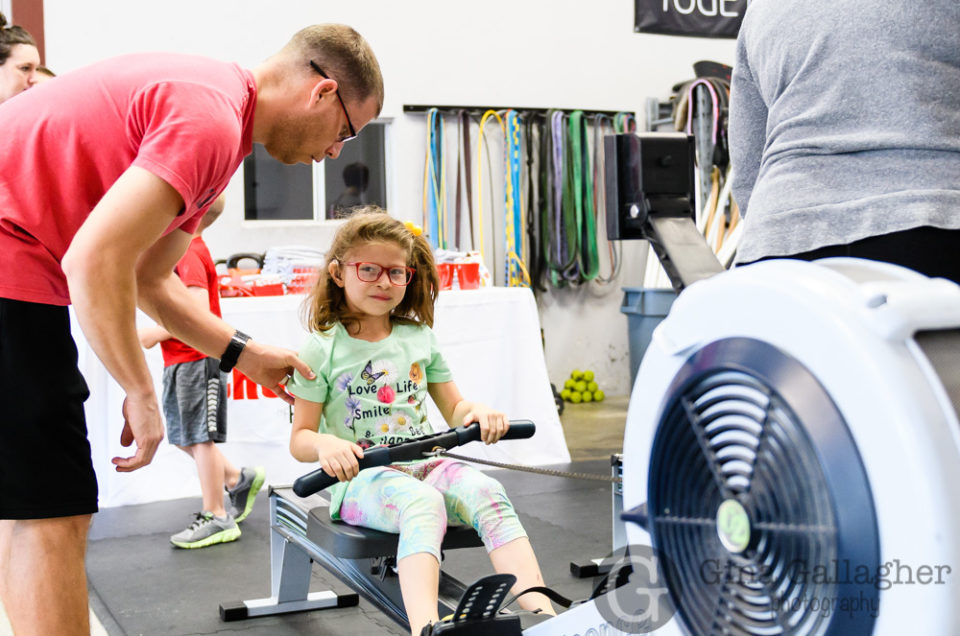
(229,358)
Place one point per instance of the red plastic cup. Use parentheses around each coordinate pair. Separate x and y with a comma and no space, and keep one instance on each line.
(468,275)
(445,271)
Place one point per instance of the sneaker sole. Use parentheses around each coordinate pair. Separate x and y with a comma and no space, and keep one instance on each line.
(224,536)
(255,487)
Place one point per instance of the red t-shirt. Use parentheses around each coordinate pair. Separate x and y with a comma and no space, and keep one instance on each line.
(195,269)
(186,119)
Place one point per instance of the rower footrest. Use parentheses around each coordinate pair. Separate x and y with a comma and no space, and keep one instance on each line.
(500,625)
(477,614)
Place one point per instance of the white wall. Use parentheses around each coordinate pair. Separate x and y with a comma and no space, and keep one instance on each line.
(556,53)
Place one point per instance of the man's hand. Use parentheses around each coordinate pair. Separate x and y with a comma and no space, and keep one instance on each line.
(141,424)
(271,367)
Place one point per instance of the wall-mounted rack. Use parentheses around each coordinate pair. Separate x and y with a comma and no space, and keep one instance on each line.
(480,110)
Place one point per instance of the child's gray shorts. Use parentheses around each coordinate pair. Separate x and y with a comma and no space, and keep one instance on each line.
(195,402)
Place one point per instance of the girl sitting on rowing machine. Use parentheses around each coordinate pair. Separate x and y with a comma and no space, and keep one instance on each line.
(376,359)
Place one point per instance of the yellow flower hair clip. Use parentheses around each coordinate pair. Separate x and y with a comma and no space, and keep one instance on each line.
(415,229)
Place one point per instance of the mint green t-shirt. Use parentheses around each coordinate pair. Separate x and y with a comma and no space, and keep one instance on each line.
(372,392)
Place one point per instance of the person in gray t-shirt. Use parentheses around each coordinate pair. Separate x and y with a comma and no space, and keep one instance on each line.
(845,131)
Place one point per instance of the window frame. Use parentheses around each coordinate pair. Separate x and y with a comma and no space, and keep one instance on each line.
(319,185)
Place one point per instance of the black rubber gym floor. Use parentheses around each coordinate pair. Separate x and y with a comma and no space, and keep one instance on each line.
(140,584)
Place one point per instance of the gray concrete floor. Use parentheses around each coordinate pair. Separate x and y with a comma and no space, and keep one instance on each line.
(139,584)
(595,430)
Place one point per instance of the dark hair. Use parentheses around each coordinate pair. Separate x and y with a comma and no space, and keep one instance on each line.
(327,303)
(357,175)
(344,55)
(10,36)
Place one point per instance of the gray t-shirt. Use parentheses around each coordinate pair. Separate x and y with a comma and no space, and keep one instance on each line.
(844,121)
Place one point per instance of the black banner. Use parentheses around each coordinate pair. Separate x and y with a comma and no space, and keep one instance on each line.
(697,18)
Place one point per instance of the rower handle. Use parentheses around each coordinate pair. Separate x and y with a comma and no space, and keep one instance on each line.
(317,480)
(519,429)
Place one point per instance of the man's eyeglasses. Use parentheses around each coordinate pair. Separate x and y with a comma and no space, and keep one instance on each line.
(371,273)
(353,132)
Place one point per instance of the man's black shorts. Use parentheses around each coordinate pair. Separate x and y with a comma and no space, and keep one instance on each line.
(45,464)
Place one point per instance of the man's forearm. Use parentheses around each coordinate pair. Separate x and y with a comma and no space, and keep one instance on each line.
(170,303)
(103,298)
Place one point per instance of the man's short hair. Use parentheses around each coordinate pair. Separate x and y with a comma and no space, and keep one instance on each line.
(343,55)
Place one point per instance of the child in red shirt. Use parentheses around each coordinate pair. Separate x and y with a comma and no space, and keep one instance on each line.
(194,407)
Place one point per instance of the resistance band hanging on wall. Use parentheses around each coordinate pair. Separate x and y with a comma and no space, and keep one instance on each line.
(600,199)
(548,235)
(536,261)
(483,121)
(701,109)
(551,214)
(464,175)
(515,272)
(588,263)
(435,183)
(563,254)
(624,123)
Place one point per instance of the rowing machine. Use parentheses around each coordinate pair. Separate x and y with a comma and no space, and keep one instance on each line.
(792,445)
(301,533)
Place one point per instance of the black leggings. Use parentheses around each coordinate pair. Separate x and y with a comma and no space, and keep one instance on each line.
(929,250)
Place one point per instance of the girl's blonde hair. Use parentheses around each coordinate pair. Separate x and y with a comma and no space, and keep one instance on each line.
(327,303)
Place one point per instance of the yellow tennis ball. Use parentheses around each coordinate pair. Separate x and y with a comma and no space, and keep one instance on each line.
(576,374)
(565,394)
(588,375)
(587,396)
(598,396)
(569,384)
(580,386)
(576,397)
(592,386)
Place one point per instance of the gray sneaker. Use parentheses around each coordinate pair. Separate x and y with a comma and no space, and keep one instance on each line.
(245,492)
(207,530)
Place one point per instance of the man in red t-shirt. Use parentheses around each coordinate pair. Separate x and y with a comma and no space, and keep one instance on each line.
(104,176)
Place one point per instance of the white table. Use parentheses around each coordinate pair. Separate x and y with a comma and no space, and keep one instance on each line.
(490,338)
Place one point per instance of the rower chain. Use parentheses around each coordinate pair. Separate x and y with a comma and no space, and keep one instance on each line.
(532,469)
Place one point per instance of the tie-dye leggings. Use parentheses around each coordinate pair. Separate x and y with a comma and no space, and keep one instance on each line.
(418,500)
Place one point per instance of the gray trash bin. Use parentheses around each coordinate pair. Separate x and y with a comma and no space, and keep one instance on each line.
(645,308)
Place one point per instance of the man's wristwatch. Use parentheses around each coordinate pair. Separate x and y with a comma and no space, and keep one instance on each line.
(229,358)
